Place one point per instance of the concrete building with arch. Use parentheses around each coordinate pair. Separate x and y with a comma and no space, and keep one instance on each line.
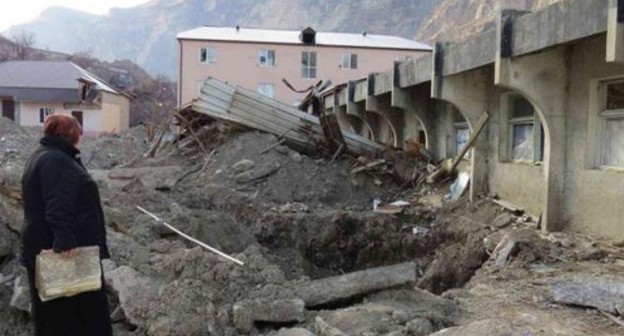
(553,84)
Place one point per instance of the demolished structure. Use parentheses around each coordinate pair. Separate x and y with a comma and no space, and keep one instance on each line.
(552,83)
(332,244)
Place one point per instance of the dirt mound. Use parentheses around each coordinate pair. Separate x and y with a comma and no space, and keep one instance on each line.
(293,220)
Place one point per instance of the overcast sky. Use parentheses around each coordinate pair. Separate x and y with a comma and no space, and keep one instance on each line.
(20,11)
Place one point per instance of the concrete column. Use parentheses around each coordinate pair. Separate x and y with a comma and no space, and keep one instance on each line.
(413,102)
(382,107)
(542,79)
(356,113)
(468,93)
(615,32)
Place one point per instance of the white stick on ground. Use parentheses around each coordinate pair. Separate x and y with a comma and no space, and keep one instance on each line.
(214,250)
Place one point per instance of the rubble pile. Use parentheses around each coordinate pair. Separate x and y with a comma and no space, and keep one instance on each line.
(322,252)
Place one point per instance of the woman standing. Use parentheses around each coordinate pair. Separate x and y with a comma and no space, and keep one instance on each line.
(62,210)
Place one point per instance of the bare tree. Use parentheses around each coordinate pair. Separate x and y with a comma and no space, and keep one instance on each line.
(23,41)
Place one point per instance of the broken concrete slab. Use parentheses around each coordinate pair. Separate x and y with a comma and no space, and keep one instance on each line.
(324,291)
(489,327)
(275,311)
(604,292)
(412,311)
(133,291)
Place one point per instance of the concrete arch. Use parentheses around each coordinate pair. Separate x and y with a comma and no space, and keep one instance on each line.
(418,113)
(380,120)
(425,129)
(539,112)
(469,93)
(360,126)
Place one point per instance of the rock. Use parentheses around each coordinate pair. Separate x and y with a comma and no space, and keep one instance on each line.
(258,173)
(411,310)
(397,333)
(325,329)
(296,157)
(503,251)
(108,265)
(294,207)
(21,293)
(508,246)
(275,311)
(591,253)
(420,327)
(294,332)
(604,292)
(401,316)
(6,243)
(490,242)
(502,221)
(159,178)
(282,149)
(242,166)
(133,291)
(490,327)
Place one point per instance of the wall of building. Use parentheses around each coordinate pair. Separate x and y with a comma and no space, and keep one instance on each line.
(27,114)
(116,113)
(521,183)
(592,194)
(237,63)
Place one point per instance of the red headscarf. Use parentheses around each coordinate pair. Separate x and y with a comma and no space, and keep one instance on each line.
(63,125)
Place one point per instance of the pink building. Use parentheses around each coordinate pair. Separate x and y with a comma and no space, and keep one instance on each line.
(259,59)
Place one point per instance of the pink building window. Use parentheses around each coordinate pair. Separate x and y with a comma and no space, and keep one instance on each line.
(207,55)
(308,64)
(266,58)
(349,61)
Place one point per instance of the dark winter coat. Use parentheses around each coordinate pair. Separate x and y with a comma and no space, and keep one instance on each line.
(61,202)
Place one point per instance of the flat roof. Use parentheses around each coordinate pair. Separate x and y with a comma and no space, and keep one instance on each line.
(234,34)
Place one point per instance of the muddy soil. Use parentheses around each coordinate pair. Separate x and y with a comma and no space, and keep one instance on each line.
(293,218)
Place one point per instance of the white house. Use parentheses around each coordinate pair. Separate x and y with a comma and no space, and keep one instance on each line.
(30,90)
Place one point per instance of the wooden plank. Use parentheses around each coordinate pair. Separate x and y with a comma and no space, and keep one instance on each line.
(443,170)
(473,138)
(508,206)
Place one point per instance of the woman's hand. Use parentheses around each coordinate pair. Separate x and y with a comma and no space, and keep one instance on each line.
(64,254)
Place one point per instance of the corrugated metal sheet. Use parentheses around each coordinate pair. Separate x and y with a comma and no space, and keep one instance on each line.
(257,111)
(292,37)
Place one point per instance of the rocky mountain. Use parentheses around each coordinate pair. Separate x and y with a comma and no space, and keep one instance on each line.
(453,20)
(145,34)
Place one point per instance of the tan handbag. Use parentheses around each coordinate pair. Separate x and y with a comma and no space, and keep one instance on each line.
(57,276)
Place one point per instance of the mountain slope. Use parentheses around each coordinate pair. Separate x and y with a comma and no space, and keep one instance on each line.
(146,33)
(453,20)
